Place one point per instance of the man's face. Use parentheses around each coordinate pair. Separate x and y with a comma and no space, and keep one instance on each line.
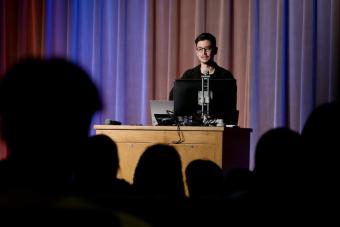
(204,51)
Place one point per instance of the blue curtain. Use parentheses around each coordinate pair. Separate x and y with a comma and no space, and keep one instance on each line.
(108,39)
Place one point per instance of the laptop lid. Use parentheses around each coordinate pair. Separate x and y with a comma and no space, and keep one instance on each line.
(161,109)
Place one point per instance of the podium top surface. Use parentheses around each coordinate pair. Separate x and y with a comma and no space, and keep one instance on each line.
(167,128)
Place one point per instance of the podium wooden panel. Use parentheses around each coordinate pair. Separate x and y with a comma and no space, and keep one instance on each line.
(228,147)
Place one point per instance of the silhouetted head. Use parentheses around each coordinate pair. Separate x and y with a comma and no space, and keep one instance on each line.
(278,154)
(159,172)
(321,126)
(98,162)
(46,106)
(204,178)
(50,100)
(321,141)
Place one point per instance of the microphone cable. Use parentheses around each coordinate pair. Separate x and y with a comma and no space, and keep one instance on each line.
(180,135)
(178,124)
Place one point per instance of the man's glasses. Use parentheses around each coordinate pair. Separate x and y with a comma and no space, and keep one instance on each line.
(202,50)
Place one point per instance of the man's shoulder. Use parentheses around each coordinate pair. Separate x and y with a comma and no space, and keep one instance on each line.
(193,73)
(224,73)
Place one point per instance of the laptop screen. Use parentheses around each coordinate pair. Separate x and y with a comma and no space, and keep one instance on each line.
(161,111)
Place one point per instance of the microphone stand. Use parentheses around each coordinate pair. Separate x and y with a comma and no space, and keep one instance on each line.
(205,89)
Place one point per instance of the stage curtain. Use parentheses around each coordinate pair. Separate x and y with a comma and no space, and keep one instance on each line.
(283,53)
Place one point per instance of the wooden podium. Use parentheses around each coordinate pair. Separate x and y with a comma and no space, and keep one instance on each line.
(228,147)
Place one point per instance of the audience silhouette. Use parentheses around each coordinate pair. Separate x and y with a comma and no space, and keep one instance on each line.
(321,148)
(158,182)
(278,172)
(46,108)
(204,179)
(159,173)
(96,173)
(205,185)
(278,158)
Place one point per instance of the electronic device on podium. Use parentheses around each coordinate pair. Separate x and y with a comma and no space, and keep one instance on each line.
(162,112)
(206,102)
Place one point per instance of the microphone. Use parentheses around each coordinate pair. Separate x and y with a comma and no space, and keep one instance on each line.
(206,72)
(112,122)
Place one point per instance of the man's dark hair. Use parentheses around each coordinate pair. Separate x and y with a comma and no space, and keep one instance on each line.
(206,36)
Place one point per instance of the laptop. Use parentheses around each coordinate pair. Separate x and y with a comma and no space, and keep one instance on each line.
(162,112)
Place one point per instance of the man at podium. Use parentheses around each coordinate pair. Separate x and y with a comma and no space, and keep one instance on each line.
(206,49)
(223,88)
